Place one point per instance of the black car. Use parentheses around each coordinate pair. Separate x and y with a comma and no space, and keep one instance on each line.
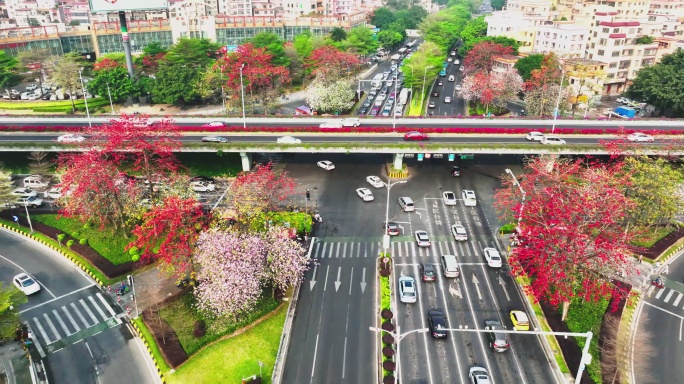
(437,324)
(203,178)
(498,341)
(455,171)
(427,272)
(45,96)
(435,94)
(392,228)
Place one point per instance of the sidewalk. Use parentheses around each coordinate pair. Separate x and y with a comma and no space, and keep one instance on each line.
(151,286)
(14,365)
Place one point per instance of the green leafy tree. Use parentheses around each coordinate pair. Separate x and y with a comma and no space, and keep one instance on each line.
(274,45)
(389,39)
(527,64)
(411,17)
(10,299)
(338,34)
(417,68)
(662,85)
(361,41)
(398,27)
(644,40)
(66,73)
(40,164)
(382,17)
(475,29)
(444,28)
(498,4)
(304,44)
(154,48)
(176,83)
(195,52)
(120,84)
(6,186)
(656,188)
(8,70)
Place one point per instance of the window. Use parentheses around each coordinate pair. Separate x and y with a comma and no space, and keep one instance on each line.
(601,52)
(616,54)
(605,30)
(613,65)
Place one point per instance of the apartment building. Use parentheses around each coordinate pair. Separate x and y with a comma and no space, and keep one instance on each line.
(674,8)
(519,20)
(565,38)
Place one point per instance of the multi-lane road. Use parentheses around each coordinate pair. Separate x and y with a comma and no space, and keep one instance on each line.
(77,331)
(338,297)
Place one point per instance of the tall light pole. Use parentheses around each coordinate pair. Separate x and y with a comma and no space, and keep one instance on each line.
(111,104)
(28,217)
(522,203)
(398,337)
(560,92)
(242,91)
(85,98)
(385,236)
(422,95)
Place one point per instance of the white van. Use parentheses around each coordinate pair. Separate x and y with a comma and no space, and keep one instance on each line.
(407,204)
(450,266)
(36,182)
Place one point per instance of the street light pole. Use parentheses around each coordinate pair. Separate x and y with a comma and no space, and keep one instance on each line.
(386,237)
(560,92)
(422,95)
(28,217)
(398,337)
(522,203)
(242,91)
(111,104)
(85,98)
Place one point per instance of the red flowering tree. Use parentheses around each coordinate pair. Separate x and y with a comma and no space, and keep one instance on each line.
(496,87)
(329,60)
(253,194)
(93,191)
(572,238)
(145,146)
(481,57)
(259,75)
(151,61)
(169,231)
(106,63)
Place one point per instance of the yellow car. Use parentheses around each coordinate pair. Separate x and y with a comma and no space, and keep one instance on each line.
(520,321)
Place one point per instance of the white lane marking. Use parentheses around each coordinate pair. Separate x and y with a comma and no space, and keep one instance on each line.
(351,280)
(97,371)
(61,323)
(80,315)
(23,270)
(325,284)
(669,295)
(313,366)
(88,311)
(679,297)
(41,330)
(97,307)
(52,326)
(56,298)
(71,319)
(664,310)
(109,309)
(660,293)
(680,329)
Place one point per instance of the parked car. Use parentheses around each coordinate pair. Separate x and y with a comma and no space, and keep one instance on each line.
(24,192)
(53,193)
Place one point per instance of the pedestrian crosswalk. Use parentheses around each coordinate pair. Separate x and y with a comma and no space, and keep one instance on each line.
(666,295)
(72,320)
(401,249)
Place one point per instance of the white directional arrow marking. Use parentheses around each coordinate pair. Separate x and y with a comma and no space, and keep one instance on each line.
(313,281)
(338,282)
(503,286)
(401,227)
(477,286)
(455,291)
(363,280)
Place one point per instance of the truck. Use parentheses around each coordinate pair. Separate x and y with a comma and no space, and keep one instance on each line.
(395,58)
(402,51)
(625,111)
(403,96)
(377,81)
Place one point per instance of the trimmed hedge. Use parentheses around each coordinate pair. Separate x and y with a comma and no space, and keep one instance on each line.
(586,316)
(51,106)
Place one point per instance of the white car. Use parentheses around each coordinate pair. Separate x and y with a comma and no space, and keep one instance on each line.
(458,87)
(623,100)
(288,140)
(331,124)
(640,137)
(447,99)
(31,87)
(552,140)
(25,192)
(450,59)
(534,136)
(493,257)
(407,289)
(479,375)
(53,193)
(70,138)
(351,122)
(31,202)
(214,139)
(26,284)
(452,78)
(365,194)
(375,181)
(449,198)
(459,232)
(469,199)
(422,238)
(326,164)
(215,124)
(202,186)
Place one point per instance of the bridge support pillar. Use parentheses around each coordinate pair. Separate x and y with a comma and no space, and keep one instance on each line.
(550,161)
(398,161)
(246,161)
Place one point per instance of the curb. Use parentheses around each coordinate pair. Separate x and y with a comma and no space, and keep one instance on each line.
(56,249)
(631,326)
(149,350)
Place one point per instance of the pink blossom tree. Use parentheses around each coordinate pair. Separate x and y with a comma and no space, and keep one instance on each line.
(286,260)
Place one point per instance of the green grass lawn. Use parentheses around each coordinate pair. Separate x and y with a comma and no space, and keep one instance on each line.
(230,360)
(107,243)
(651,235)
(181,316)
(211,164)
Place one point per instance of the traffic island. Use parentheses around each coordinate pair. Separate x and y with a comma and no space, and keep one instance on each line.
(394,173)
(387,341)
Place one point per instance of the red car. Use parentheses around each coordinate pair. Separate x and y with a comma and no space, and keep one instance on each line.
(415,136)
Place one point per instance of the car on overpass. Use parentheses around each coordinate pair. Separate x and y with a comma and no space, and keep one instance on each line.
(70,138)
(534,136)
(552,140)
(215,124)
(640,137)
(288,140)
(214,139)
(416,136)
